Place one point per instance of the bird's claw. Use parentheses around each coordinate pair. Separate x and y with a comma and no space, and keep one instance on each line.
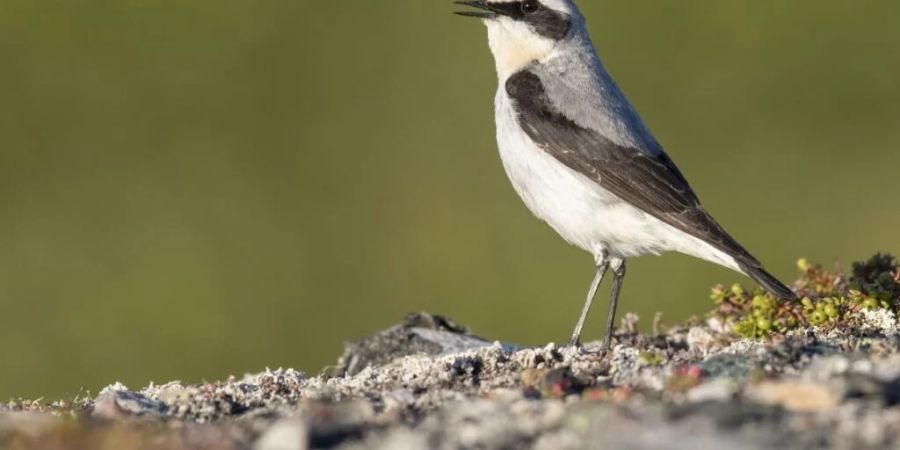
(577,346)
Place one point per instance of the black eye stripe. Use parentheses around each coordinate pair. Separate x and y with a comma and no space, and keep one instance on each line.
(549,23)
(515,10)
(530,6)
(546,22)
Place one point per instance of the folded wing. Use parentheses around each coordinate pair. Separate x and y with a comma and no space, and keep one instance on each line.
(649,181)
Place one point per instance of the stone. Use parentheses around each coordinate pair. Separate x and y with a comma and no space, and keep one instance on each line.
(796,396)
(286,434)
(117,402)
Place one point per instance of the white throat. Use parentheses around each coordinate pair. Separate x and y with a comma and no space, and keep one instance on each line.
(515,46)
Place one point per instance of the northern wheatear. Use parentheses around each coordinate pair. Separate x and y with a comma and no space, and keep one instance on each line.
(582,159)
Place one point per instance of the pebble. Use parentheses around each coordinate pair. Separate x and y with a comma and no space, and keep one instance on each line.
(285,434)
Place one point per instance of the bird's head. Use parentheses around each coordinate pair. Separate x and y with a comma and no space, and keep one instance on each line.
(522,31)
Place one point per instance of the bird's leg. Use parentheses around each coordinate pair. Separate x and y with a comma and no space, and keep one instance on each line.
(602,267)
(618,269)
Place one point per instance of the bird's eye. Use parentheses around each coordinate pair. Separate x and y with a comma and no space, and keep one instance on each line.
(530,6)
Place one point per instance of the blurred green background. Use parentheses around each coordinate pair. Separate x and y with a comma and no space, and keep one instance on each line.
(195,189)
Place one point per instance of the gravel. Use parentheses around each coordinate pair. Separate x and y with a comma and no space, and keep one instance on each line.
(428,383)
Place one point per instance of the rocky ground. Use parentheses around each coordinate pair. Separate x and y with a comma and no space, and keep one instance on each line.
(430,383)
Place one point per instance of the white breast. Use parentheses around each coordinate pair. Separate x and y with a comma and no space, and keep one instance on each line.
(579,209)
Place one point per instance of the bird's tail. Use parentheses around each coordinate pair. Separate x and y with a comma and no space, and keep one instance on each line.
(767,280)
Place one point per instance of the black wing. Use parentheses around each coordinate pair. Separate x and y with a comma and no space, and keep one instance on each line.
(650,182)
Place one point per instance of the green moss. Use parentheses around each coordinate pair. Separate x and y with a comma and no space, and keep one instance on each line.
(828,299)
(652,358)
(878,279)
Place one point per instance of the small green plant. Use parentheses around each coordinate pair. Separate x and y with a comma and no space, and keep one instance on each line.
(877,281)
(652,358)
(828,299)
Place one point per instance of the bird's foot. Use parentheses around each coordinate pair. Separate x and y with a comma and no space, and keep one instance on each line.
(607,343)
(575,345)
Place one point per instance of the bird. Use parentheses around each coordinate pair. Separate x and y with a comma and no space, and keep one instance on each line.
(582,159)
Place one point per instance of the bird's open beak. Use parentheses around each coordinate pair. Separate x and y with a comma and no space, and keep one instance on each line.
(487,11)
